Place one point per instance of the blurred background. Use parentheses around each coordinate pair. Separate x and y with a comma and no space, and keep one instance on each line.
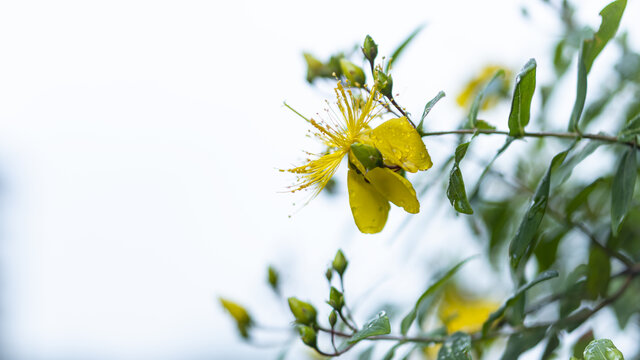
(140,143)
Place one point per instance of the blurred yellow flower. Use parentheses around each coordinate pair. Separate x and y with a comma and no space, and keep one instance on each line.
(375,158)
(471,89)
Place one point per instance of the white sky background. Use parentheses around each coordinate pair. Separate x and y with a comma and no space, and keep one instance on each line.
(139,142)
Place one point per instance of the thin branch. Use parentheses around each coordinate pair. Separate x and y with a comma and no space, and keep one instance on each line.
(562,135)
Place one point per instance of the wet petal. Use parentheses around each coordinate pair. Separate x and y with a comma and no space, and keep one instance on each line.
(370,209)
(394,188)
(401,145)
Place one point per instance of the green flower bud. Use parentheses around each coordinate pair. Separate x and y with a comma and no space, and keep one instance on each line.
(336,299)
(315,67)
(370,49)
(273,278)
(240,315)
(308,336)
(340,263)
(333,66)
(304,313)
(333,318)
(369,156)
(353,73)
(384,83)
(329,274)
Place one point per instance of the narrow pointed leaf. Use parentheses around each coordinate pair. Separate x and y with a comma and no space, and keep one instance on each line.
(523,341)
(455,191)
(521,102)
(523,242)
(427,109)
(622,189)
(400,49)
(631,129)
(411,316)
(581,93)
(376,326)
(611,16)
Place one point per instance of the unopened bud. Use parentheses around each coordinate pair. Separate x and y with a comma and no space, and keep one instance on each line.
(384,83)
(336,299)
(329,274)
(352,72)
(340,263)
(333,318)
(370,49)
(315,67)
(240,315)
(308,336)
(273,278)
(304,313)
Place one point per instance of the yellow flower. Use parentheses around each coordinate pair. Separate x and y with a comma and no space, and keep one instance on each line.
(471,89)
(463,313)
(372,184)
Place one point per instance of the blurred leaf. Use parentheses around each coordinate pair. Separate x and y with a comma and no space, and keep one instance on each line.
(523,242)
(599,273)
(547,248)
(473,113)
(581,344)
(504,147)
(602,349)
(273,278)
(513,298)
(240,315)
(552,345)
(581,93)
(574,290)
(627,304)
(581,197)
(564,171)
(611,15)
(523,341)
(411,316)
(560,61)
(455,191)
(522,95)
(396,54)
(630,130)
(367,354)
(622,188)
(376,326)
(427,109)
(456,347)
(392,351)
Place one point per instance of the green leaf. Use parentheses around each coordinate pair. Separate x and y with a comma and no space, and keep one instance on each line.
(611,15)
(599,273)
(427,109)
(411,316)
(367,354)
(622,189)
(521,102)
(627,304)
(400,49)
(456,347)
(581,197)
(376,326)
(552,345)
(565,170)
(392,351)
(523,242)
(630,130)
(581,93)
(455,191)
(513,298)
(602,349)
(473,112)
(523,341)
(581,344)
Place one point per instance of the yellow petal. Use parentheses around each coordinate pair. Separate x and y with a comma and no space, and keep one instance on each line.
(401,145)
(394,188)
(369,208)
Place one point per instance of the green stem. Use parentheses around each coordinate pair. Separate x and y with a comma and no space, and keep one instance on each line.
(562,135)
